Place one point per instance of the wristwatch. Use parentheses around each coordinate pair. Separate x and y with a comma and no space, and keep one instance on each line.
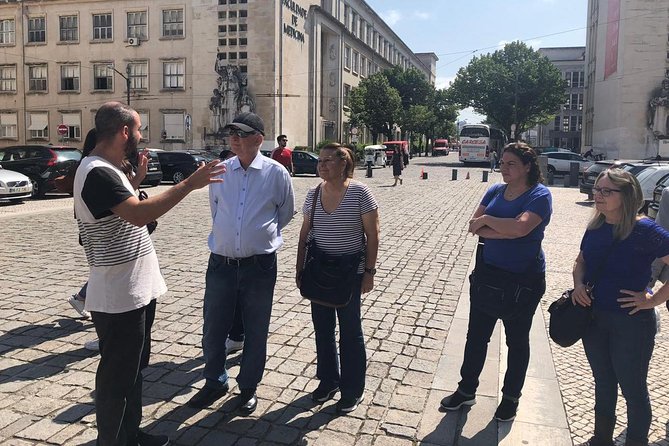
(371,271)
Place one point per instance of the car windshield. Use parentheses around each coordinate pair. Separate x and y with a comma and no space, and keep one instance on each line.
(646,173)
(66,155)
(390,147)
(440,144)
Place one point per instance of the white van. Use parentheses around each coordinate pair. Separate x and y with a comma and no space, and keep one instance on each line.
(376,155)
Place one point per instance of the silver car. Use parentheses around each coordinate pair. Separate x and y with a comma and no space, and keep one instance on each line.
(14,186)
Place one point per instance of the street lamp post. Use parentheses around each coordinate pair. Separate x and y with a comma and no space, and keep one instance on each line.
(127,79)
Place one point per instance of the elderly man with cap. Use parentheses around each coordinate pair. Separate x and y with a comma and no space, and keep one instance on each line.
(249,209)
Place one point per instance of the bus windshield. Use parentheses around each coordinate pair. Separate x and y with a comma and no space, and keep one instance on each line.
(475,132)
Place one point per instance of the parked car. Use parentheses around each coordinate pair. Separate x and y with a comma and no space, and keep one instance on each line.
(14,186)
(376,154)
(305,162)
(561,161)
(545,150)
(176,166)
(654,205)
(41,163)
(154,173)
(592,172)
(648,179)
(267,153)
(440,147)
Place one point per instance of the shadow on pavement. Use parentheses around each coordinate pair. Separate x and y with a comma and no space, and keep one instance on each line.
(33,335)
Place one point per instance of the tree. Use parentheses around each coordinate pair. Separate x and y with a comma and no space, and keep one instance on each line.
(445,114)
(514,85)
(376,105)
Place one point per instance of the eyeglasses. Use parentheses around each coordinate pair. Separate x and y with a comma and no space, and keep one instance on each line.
(605,191)
(238,132)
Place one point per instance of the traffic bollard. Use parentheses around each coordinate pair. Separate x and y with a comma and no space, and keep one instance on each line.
(369,170)
(485,176)
(454,174)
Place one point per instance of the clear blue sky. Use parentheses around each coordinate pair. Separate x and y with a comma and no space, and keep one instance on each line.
(455,29)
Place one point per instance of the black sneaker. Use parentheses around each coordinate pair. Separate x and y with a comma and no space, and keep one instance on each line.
(456,400)
(324,393)
(506,411)
(346,405)
(144,439)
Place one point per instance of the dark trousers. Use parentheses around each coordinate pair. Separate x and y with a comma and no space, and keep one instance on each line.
(252,286)
(237,329)
(619,347)
(517,329)
(125,347)
(351,379)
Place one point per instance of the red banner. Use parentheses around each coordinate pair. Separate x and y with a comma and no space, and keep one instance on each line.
(612,31)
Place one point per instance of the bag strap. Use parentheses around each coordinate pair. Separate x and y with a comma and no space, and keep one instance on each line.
(313,206)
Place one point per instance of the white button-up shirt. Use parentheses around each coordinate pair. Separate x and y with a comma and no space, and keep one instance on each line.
(250,207)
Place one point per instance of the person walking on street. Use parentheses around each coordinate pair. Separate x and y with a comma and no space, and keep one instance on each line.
(398,165)
(125,278)
(249,211)
(611,274)
(511,218)
(283,154)
(493,160)
(346,221)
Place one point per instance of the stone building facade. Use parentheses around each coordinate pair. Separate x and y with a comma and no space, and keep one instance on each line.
(190,67)
(626,101)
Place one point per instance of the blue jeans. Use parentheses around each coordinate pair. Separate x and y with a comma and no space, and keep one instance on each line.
(517,329)
(619,347)
(252,286)
(351,379)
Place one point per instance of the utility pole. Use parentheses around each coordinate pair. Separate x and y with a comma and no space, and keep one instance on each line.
(127,79)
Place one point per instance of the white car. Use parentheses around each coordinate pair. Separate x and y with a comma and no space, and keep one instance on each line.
(376,155)
(561,161)
(14,186)
(649,177)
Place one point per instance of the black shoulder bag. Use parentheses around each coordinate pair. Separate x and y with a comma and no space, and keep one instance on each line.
(568,320)
(151,226)
(327,279)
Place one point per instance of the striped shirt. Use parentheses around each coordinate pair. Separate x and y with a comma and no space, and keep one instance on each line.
(341,232)
(124,272)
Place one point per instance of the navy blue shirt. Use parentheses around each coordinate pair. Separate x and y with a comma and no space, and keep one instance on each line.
(623,266)
(523,254)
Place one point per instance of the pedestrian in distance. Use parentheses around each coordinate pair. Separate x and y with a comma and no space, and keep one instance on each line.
(611,274)
(398,165)
(493,160)
(345,221)
(249,211)
(283,154)
(511,219)
(125,278)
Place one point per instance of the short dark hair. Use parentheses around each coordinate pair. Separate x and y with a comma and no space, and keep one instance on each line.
(280,137)
(112,117)
(527,156)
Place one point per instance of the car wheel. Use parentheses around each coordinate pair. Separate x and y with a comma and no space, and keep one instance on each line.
(551,169)
(178,177)
(38,188)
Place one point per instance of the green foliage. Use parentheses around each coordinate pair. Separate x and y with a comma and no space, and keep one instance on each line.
(322,144)
(375,104)
(512,85)
(305,148)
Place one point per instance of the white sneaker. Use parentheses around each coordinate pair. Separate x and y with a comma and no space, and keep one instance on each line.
(233,346)
(93,346)
(78,304)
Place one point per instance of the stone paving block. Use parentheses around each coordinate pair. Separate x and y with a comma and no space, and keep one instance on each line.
(520,433)
(42,430)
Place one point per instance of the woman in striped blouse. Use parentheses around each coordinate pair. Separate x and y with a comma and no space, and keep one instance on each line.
(346,221)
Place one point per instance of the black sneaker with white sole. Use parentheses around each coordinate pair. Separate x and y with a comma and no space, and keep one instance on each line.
(346,405)
(144,439)
(506,411)
(324,393)
(456,400)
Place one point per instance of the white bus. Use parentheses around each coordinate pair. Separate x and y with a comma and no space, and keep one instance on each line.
(477,141)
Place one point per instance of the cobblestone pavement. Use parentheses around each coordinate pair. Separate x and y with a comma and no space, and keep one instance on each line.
(47,377)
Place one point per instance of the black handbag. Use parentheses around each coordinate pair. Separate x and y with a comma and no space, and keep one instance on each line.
(568,320)
(497,292)
(326,279)
(151,226)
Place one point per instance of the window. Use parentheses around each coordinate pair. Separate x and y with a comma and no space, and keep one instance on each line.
(243,55)
(363,66)
(38,124)
(369,68)
(232,28)
(8,125)
(232,42)
(347,94)
(69,28)
(137,25)
(103,77)
(173,125)
(7,31)
(222,28)
(347,12)
(354,23)
(73,123)
(573,123)
(173,74)
(7,78)
(222,56)
(144,128)
(139,75)
(36,29)
(232,56)
(580,123)
(222,14)
(243,41)
(37,80)
(69,78)
(173,23)
(356,61)
(243,13)
(243,27)
(222,42)
(232,15)
(347,57)
(243,69)
(102,26)
(368,39)
(565,124)
(556,123)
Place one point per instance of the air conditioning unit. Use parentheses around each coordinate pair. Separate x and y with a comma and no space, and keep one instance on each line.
(133,41)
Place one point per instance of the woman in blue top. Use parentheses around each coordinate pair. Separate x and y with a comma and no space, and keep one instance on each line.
(611,273)
(512,218)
